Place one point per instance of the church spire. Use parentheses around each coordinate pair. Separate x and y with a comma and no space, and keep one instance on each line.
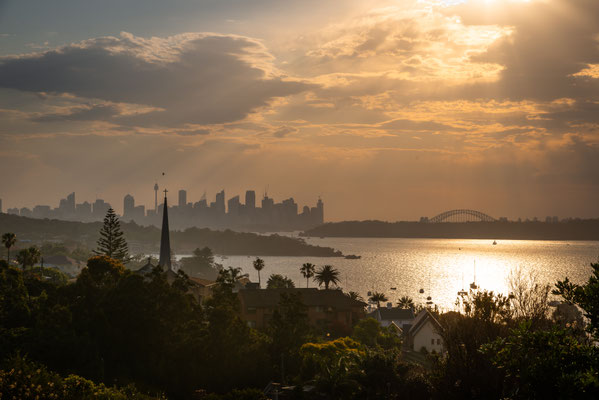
(165,242)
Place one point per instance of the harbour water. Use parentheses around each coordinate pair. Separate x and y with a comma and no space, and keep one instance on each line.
(441,267)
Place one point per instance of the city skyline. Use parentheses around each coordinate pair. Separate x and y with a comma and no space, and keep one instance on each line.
(220,213)
(388,109)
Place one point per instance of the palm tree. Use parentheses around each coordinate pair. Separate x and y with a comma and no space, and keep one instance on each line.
(308,271)
(258,266)
(28,257)
(378,297)
(355,296)
(406,302)
(8,240)
(327,275)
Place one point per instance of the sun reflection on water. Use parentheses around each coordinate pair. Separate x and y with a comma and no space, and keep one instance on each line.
(436,265)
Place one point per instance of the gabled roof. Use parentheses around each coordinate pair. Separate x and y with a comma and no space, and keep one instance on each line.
(396,327)
(395,313)
(269,298)
(146,269)
(202,282)
(421,319)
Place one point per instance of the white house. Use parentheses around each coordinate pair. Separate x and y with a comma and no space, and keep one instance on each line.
(424,333)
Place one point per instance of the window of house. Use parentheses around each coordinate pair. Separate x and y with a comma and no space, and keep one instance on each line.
(252,324)
(251,310)
(438,341)
(319,309)
(432,341)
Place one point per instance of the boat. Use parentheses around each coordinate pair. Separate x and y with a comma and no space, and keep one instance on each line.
(429,298)
(462,292)
(421,291)
(393,288)
(494,242)
(352,257)
(473,285)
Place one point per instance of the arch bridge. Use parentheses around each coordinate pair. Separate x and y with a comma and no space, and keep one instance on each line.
(462,216)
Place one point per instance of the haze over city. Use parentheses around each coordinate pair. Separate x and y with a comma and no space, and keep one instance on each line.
(389,110)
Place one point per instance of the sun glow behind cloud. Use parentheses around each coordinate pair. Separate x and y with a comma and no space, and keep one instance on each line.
(463,97)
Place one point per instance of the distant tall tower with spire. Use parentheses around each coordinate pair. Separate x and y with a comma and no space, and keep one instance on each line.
(165,241)
(156,197)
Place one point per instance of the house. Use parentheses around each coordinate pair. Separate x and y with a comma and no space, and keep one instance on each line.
(401,317)
(325,308)
(424,333)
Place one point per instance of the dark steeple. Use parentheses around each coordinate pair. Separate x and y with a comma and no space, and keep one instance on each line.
(165,242)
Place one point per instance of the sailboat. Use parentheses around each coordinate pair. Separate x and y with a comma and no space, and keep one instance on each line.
(494,242)
(462,292)
(473,284)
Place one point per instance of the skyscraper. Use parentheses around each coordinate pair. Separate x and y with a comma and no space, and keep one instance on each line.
(220,202)
(128,206)
(71,203)
(156,197)
(250,200)
(182,198)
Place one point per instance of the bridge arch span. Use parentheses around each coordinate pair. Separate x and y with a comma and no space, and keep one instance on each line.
(462,216)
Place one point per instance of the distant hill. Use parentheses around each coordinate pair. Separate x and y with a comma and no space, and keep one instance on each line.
(568,230)
(144,239)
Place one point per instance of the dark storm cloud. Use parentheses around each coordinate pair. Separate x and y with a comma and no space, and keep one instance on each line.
(190,78)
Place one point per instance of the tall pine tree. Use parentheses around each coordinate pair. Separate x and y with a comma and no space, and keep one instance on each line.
(111,242)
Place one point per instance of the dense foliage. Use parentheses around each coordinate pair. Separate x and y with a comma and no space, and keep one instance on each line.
(114,334)
(146,238)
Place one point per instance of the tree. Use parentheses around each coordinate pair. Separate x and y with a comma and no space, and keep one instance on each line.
(378,297)
(289,330)
(327,275)
(28,257)
(201,264)
(406,302)
(544,364)
(370,333)
(354,296)
(111,242)
(8,240)
(258,266)
(308,270)
(585,296)
(277,281)
(529,298)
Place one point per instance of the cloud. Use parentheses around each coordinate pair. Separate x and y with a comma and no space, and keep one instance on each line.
(194,132)
(284,131)
(191,78)
(411,125)
(89,113)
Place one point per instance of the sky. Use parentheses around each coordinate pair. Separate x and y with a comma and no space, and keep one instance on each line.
(387,110)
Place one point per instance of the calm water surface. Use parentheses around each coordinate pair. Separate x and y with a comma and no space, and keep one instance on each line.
(441,267)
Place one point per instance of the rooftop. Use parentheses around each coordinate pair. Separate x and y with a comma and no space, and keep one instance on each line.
(269,298)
